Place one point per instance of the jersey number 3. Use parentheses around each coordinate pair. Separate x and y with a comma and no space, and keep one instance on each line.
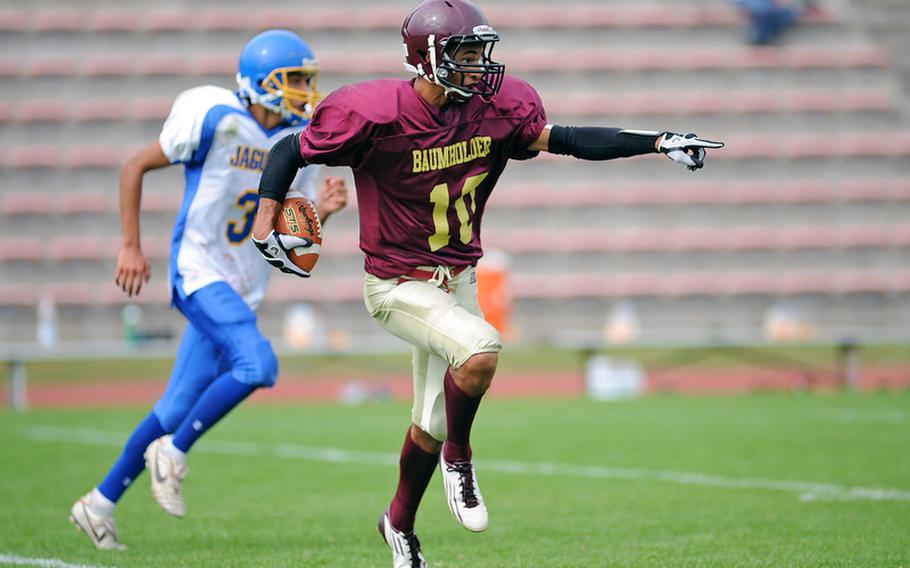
(439,197)
(248,202)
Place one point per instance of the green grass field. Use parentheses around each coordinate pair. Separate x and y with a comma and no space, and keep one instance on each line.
(761,480)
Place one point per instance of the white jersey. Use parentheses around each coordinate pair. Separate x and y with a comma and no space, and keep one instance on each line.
(224,150)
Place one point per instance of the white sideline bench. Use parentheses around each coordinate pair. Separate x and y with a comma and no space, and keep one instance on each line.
(846,352)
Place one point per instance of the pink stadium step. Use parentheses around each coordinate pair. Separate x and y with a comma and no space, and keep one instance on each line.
(729,102)
(33,157)
(74,249)
(712,283)
(62,249)
(162,203)
(94,110)
(337,290)
(41,111)
(575,104)
(14,203)
(56,21)
(369,17)
(87,202)
(87,110)
(14,20)
(86,157)
(109,65)
(81,202)
(526,241)
(9,67)
(111,21)
(510,194)
(169,20)
(149,109)
(21,249)
(687,239)
(524,286)
(41,66)
(526,61)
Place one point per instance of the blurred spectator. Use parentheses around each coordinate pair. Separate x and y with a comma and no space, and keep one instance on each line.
(769,19)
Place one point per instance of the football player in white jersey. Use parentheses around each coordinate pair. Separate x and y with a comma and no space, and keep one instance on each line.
(217,277)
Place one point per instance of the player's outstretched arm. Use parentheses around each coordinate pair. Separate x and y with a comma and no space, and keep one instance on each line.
(599,143)
(132,267)
(280,170)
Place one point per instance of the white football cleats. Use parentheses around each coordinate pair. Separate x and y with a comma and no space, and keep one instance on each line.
(463,494)
(405,546)
(167,477)
(101,529)
(275,248)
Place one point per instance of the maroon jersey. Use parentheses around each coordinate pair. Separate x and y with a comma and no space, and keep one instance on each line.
(423,174)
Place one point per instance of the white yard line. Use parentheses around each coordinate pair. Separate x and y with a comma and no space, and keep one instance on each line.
(15,560)
(806,490)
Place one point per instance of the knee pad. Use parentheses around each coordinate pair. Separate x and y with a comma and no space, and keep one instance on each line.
(172,412)
(432,418)
(486,339)
(434,427)
(437,428)
(269,363)
(261,367)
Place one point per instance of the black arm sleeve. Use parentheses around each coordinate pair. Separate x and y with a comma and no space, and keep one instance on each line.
(281,168)
(597,143)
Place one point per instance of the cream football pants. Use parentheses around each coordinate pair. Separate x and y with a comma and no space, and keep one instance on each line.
(444,328)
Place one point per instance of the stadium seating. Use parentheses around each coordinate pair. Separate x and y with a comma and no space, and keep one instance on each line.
(527,61)
(586,15)
(809,201)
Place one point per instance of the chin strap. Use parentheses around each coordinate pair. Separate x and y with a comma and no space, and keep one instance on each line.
(451,93)
(269,101)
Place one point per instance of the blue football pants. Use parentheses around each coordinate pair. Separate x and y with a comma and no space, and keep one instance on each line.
(221,336)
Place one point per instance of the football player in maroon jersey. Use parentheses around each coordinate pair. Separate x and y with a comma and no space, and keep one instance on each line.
(426,153)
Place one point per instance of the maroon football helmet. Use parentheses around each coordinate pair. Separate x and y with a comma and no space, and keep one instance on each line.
(435,30)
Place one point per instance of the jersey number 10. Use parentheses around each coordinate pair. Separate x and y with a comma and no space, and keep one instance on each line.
(439,197)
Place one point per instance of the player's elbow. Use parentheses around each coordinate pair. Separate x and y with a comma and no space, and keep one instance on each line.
(150,157)
(131,166)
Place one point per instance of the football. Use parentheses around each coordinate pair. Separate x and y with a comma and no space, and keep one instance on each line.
(299,217)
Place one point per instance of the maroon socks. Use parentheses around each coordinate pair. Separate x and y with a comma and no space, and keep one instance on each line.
(460,411)
(416,466)
(416,469)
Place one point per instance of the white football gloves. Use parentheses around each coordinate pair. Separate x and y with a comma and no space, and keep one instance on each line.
(275,249)
(687,149)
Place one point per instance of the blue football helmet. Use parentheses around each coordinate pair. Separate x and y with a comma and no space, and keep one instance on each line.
(268,64)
